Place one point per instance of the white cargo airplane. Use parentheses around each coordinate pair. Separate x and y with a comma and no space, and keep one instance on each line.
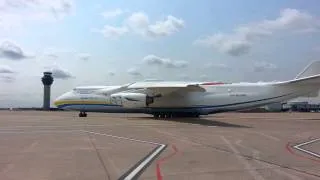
(166,99)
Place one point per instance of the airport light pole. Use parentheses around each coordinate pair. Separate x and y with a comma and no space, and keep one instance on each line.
(47,81)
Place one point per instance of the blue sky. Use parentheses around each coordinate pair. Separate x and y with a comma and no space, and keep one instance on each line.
(114,42)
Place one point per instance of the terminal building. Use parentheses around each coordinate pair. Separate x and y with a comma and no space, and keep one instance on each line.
(291,106)
(294,106)
(303,107)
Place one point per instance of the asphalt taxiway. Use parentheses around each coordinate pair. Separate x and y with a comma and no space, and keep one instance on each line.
(61,145)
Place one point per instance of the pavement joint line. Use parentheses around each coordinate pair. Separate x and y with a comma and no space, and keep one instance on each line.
(18,131)
(261,160)
(265,165)
(99,157)
(133,172)
(265,135)
(249,167)
(121,137)
(53,126)
(299,147)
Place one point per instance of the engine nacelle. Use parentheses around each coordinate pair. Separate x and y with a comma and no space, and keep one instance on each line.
(131,100)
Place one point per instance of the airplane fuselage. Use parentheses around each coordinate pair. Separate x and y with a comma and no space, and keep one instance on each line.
(217,98)
(171,99)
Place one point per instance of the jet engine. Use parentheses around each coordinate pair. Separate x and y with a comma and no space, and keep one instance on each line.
(131,100)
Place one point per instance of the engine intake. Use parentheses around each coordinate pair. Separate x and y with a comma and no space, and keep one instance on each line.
(131,100)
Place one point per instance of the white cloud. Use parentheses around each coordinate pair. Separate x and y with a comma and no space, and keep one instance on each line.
(166,27)
(134,72)
(263,66)
(217,66)
(84,56)
(58,72)
(7,78)
(6,69)
(53,6)
(15,13)
(112,13)
(52,55)
(243,38)
(112,31)
(111,73)
(12,51)
(155,60)
(230,44)
(139,23)
(291,19)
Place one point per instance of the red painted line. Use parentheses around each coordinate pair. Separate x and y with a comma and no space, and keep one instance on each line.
(212,83)
(289,149)
(158,169)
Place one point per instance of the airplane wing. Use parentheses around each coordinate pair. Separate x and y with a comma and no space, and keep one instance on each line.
(165,88)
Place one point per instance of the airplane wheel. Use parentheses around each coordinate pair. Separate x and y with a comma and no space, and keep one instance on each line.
(166,115)
(156,115)
(196,115)
(82,114)
(162,115)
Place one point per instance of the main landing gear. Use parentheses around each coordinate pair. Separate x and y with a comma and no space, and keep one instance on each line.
(82,114)
(168,115)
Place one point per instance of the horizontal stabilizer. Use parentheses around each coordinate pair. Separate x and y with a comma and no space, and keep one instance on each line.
(304,81)
(311,85)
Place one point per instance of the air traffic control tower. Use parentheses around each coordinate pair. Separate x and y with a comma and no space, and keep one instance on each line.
(47,81)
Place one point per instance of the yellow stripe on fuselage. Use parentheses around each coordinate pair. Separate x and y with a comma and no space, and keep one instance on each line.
(64,102)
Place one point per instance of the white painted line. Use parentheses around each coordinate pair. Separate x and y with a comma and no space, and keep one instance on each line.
(251,170)
(298,147)
(120,137)
(136,171)
(308,142)
(133,173)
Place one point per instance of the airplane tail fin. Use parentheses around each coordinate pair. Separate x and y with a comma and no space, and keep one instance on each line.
(312,69)
(308,80)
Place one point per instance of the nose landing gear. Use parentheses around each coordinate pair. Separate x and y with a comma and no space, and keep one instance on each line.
(82,114)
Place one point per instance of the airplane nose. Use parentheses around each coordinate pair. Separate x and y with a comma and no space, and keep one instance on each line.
(57,101)
(62,100)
